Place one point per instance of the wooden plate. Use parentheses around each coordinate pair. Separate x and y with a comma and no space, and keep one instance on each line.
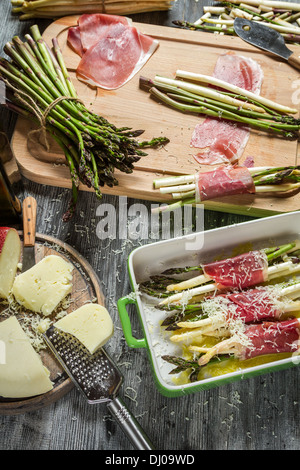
(85,288)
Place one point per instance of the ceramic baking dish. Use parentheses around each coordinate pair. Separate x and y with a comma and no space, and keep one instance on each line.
(189,250)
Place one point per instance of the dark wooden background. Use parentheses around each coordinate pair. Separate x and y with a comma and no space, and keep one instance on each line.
(254,414)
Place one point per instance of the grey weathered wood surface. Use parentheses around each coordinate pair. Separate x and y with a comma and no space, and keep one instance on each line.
(258,413)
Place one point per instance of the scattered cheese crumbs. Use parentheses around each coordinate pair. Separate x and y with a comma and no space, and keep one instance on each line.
(131,393)
(132,296)
(91,324)
(45,285)
(43,325)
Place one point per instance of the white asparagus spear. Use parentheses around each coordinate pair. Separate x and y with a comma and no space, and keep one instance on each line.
(228,346)
(199,349)
(237,13)
(198,332)
(233,88)
(170,180)
(184,195)
(200,20)
(189,283)
(250,7)
(214,10)
(171,189)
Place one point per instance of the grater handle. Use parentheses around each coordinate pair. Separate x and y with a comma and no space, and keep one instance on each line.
(129,425)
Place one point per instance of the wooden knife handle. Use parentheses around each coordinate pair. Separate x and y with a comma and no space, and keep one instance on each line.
(294,60)
(29,220)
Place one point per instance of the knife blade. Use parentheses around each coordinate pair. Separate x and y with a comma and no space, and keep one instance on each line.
(29,228)
(265,38)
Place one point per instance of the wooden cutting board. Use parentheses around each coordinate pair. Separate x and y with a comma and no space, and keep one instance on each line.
(129,106)
(85,289)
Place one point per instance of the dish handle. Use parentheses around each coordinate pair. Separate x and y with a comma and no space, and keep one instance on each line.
(126,324)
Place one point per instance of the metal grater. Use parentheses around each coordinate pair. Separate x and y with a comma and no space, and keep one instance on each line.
(98,379)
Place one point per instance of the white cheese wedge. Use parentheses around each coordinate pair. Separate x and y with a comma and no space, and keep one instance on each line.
(91,324)
(10,251)
(22,373)
(45,285)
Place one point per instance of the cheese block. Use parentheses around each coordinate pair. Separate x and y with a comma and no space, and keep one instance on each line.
(22,373)
(10,251)
(45,285)
(91,324)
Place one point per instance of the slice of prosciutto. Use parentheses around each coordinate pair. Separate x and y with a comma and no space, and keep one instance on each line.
(112,51)
(223,181)
(239,272)
(93,27)
(218,140)
(90,28)
(74,40)
(254,305)
(272,338)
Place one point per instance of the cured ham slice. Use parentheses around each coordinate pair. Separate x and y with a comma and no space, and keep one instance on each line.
(254,305)
(221,141)
(272,338)
(239,272)
(112,50)
(74,40)
(90,29)
(104,65)
(96,26)
(223,181)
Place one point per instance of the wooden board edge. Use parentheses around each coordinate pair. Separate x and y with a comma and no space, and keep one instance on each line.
(28,405)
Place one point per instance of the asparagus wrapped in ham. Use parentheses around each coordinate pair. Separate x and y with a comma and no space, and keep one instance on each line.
(231,303)
(239,272)
(228,181)
(258,340)
(224,314)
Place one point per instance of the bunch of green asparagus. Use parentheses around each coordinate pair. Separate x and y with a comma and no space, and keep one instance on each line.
(38,87)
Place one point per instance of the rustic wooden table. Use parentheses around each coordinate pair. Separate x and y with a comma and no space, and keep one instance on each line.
(254,414)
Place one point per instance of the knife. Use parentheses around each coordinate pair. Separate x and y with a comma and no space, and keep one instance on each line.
(265,38)
(29,224)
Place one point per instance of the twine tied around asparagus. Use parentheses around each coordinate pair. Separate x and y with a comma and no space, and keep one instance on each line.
(41,116)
